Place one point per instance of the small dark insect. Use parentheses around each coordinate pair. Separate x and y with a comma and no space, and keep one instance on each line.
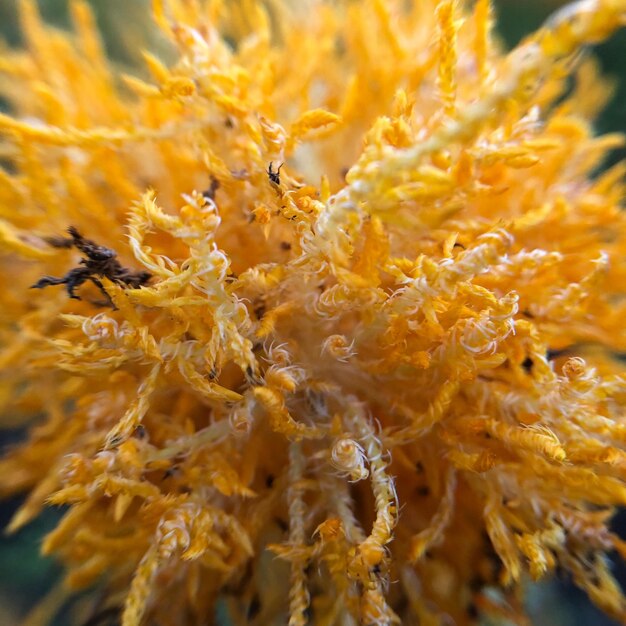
(285,245)
(140,432)
(274,175)
(98,262)
(209,193)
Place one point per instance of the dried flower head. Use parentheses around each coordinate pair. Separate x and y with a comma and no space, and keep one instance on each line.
(342,370)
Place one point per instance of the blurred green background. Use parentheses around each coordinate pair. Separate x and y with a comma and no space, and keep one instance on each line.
(24,576)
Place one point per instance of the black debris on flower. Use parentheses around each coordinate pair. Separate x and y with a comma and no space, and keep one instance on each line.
(98,262)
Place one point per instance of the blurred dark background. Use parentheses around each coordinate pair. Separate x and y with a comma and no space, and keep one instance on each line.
(25,577)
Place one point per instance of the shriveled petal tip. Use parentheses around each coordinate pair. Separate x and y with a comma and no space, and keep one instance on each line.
(139,87)
(312,121)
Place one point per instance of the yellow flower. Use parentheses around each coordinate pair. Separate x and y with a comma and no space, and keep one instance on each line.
(351,298)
